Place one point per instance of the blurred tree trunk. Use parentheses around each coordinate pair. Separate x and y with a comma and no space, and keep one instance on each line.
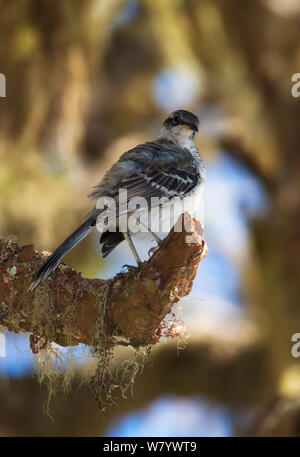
(267,42)
(49,50)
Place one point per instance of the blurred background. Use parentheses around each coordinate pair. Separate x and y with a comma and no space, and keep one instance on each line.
(85,81)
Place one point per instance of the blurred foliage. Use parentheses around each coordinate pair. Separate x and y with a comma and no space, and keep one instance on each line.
(80,78)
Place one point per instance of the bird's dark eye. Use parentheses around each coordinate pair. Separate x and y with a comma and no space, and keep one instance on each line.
(176,119)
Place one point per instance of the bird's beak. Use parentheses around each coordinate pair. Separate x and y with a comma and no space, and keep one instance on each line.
(194,127)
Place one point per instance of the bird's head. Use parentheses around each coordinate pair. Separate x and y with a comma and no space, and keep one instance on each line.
(180,126)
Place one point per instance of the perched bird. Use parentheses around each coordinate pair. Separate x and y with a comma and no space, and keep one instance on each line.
(168,167)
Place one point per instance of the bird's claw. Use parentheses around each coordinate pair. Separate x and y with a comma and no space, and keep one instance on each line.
(129,268)
(152,250)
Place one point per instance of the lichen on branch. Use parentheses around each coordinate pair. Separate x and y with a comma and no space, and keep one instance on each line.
(67,309)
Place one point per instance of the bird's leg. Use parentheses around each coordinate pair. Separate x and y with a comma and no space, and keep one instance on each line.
(156,237)
(132,247)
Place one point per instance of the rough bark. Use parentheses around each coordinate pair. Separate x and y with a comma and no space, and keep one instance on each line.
(66,308)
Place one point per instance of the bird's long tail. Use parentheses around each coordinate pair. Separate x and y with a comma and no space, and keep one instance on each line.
(52,262)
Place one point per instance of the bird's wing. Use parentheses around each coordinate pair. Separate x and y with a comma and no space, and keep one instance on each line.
(155,169)
(160,183)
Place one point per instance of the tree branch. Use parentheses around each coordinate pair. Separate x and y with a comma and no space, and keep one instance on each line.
(66,308)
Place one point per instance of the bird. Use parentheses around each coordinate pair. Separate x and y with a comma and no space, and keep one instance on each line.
(169,168)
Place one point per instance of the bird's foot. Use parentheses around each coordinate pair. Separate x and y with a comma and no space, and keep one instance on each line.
(129,268)
(153,250)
